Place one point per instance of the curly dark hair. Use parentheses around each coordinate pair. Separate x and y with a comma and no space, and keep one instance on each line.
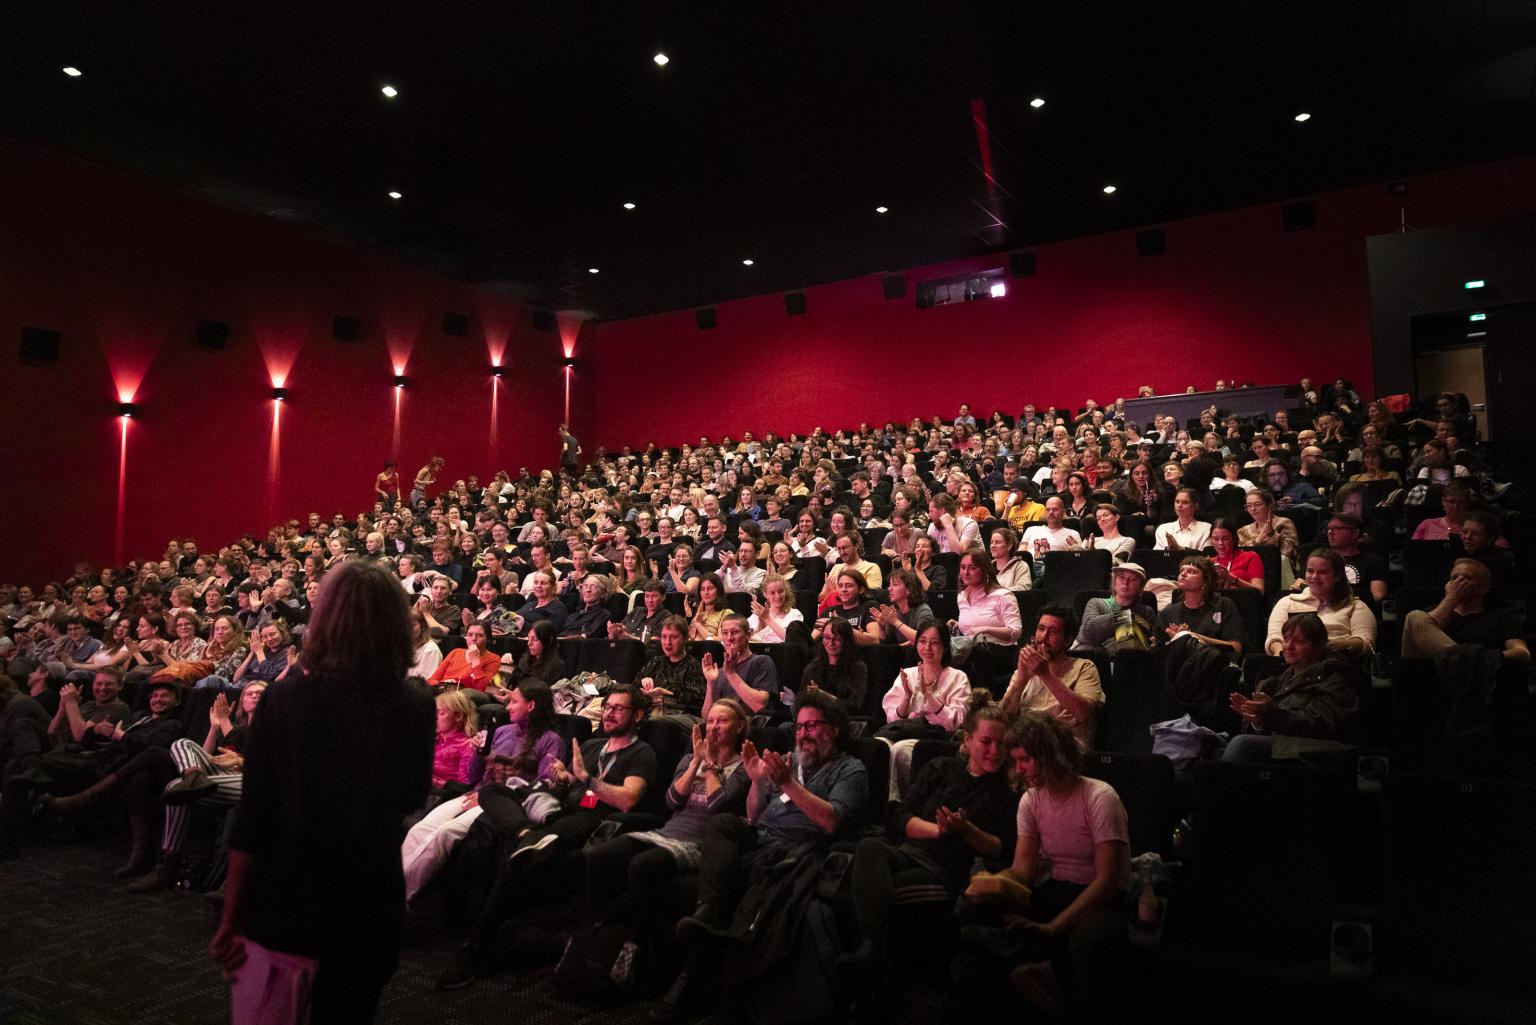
(1050,744)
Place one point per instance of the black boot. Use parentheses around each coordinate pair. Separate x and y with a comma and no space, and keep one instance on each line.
(164,877)
(470,962)
(141,854)
(704,922)
(670,1006)
(76,803)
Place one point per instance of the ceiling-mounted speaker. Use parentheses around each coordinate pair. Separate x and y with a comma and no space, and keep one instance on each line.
(1299,216)
(705,318)
(794,303)
(455,324)
(39,346)
(894,286)
(212,335)
(1021,265)
(1152,242)
(543,320)
(346,329)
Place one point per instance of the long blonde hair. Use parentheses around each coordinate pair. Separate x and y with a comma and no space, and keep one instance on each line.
(461,704)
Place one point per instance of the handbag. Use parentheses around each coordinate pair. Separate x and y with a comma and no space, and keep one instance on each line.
(601,963)
(184,673)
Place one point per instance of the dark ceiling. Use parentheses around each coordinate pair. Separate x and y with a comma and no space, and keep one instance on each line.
(520,130)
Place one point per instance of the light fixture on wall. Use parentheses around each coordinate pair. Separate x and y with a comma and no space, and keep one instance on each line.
(497,371)
(127,409)
(279,394)
(400,381)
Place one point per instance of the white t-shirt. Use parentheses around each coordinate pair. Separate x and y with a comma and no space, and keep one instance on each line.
(1246,485)
(1040,539)
(760,634)
(1070,828)
(1194,537)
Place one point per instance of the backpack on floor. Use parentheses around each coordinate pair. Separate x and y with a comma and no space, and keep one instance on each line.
(601,964)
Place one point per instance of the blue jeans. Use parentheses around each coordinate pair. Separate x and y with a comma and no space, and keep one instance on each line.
(1250,748)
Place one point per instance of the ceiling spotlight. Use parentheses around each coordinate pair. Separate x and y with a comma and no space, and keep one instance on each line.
(1303,116)
(73,72)
(395,195)
(390,91)
(1037,103)
(998,290)
(1475,283)
(592,270)
(629,206)
(661,60)
(1109,190)
(126,409)
(882,209)
(279,394)
(399,380)
(746,263)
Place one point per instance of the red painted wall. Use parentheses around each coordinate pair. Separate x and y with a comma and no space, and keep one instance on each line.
(125,271)
(1235,296)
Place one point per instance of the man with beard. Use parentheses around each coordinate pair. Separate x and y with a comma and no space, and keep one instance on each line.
(607,775)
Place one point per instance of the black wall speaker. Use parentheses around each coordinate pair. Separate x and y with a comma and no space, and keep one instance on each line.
(543,320)
(705,318)
(1152,242)
(1298,216)
(346,329)
(1021,265)
(39,346)
(894,286)
(212,335)
(455,324)
(794,303)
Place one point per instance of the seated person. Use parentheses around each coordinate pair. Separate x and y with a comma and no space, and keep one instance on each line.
(1482,539)
(1316,697)
(850,605)
(1122,621)
(645,619)
(904,616)
(473,666)
(1365,570)
(708,781)
(901,538)
(739,569)
(545,605)
(771,617)
(1462,617)
(541,661)
(523,752)
(708,611)
(751,679)
(673,680)
(1350,622)
(961,808)
(1184,533)
(949,531)
(837,668)
(1052,536)
(988,614)
(454,749)
(681,577)
(817,793)
(591,619)
(607,775)
(1235,567)
(1071,919)
(1012,571)
(1200,611)
(1049,679)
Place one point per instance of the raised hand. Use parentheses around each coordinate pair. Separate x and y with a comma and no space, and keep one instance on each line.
(776,768)
(752,763)
(700,747)
(707,664)
(578,765)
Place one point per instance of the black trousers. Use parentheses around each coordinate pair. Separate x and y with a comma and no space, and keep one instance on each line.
(728,851)
(636,872)
(348,986)
(879,869)
(515,876)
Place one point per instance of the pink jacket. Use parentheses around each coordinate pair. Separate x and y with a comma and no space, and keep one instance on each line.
(452,757)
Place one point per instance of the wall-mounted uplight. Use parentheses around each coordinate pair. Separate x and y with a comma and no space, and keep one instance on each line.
(400,381)
(127,409)
(498,371)
(279,394)
(570,363)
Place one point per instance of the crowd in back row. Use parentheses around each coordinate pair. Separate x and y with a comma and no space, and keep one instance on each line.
(918,538)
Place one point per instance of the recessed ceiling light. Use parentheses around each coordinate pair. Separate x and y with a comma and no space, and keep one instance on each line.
(72,71)
(1109,190)
(1303,116)
(661,60)
(592,270)
(629,206)
(882,209)
(1477,317)
(1474,283)
(395,195)
(390,91)
(746,263)
(1037,103)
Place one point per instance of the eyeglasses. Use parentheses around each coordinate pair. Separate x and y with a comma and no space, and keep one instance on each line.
(809,726)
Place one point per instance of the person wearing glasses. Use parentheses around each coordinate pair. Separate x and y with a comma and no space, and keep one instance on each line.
(813,794)
(607,775)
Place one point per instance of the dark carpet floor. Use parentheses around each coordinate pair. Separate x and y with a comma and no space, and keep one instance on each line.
(79,949)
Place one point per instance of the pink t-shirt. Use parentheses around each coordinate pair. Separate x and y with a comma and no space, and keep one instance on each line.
(452,757)
(1069,828)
